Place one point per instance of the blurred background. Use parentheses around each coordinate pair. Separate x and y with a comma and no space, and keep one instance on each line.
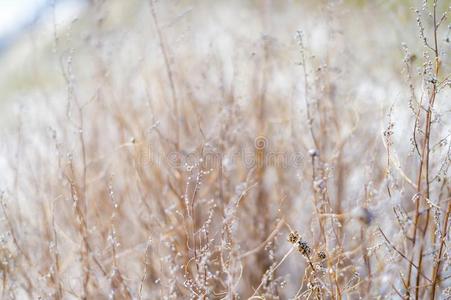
(102,102)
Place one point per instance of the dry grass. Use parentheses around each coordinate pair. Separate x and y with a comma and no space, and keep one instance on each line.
(183,154)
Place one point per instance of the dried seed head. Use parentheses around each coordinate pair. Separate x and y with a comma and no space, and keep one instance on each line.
(313,153)
(322,255)
(363,215)
(320,186)
(304,248)
(293,237)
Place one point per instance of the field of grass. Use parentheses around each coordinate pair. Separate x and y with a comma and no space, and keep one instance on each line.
(193,149)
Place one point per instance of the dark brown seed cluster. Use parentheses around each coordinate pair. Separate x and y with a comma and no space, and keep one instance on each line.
(321,255)
(294,237)
(304,248)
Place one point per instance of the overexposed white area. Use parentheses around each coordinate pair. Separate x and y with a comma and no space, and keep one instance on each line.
(17,15)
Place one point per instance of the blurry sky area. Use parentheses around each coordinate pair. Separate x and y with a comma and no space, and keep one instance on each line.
(16,16)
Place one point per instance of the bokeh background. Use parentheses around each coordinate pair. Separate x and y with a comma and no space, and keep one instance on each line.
(166,149)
